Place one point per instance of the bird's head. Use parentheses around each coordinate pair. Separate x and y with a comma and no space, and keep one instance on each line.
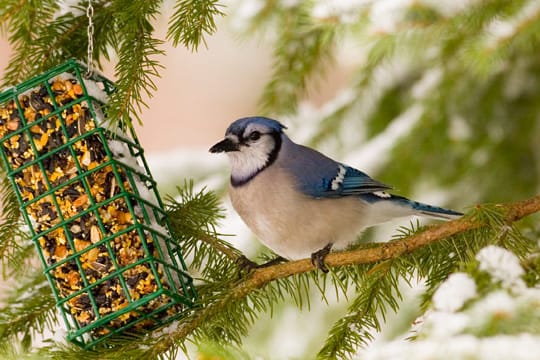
(252,144)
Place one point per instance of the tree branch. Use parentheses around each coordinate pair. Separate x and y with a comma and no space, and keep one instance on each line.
(512,212)
(260,277)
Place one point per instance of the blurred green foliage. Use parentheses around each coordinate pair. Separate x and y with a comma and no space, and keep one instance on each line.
(473,70)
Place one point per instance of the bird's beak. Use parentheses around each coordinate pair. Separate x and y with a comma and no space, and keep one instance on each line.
(224,145)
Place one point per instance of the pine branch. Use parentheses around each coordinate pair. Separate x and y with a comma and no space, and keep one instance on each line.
(215,350)
(15,246)
(137,66)
(28,310)
(512,212)
(66,37)
(26,20)
(300,53)
(193,220)
(192,19)
(378,289)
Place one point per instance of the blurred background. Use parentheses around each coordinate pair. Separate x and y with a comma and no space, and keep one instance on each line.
(438,98)
(199,94)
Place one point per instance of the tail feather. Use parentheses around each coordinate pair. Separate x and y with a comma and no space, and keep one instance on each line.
(440,213)
(418,208)
(430,210)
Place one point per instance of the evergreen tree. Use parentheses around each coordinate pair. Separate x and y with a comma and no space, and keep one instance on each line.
(452,87)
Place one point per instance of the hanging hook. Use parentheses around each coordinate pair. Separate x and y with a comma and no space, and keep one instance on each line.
(90,34)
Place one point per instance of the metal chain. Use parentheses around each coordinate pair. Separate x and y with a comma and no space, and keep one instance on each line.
(90,34)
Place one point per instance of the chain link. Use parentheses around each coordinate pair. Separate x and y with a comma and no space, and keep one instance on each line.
(90,34)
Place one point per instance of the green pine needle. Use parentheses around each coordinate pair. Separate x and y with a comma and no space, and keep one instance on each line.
(192,20)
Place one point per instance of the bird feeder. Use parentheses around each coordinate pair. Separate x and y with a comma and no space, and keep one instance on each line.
(92,207)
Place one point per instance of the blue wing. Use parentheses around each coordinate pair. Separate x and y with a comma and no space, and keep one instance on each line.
(350,181)
(319,176)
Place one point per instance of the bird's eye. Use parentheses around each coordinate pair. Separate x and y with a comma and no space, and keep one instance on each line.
(254,136)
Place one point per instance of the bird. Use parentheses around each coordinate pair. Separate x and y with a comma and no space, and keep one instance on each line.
(299,202)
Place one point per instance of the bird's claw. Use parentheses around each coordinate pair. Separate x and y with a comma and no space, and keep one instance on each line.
(317,258)
(246,266)
(277,260)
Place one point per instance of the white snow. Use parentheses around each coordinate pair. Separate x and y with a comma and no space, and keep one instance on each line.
(306,122)
(500,30)
(96,91)
(8,88)
(252,8)
(497,303)
(429,81)
(121,152)
(480,157)
(290,3)
(385,15)
(448,8)
(459,129)
(454,292)
(374,153)
(244,13)
(442,324)
(346,11)
(501,264)
(502,347)
(448,330)
(66,76)
(68,6)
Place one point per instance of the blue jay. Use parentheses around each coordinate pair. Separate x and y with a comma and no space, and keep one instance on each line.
(299,202)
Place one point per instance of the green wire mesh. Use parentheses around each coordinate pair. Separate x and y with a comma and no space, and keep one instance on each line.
(92,208)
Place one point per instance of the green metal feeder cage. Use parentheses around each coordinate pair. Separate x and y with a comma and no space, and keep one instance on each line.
(92,207)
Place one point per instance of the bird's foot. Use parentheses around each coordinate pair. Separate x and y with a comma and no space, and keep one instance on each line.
(317,258)
(275,261)
(246,265)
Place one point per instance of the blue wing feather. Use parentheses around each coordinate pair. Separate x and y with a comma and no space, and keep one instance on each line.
(356,182)
(319,176)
